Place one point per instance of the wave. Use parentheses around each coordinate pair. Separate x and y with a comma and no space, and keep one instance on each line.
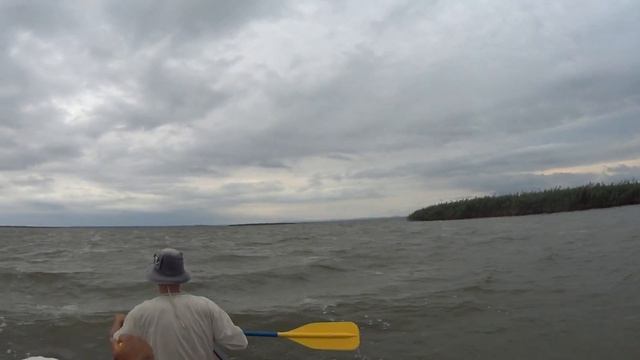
(28,278)
(234,257)
(299,272)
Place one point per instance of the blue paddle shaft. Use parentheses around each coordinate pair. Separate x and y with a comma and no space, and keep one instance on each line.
(261,333)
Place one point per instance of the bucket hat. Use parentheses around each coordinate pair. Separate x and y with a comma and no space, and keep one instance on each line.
(168,268)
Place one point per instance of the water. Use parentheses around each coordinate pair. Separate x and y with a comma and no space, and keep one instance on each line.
(537,287)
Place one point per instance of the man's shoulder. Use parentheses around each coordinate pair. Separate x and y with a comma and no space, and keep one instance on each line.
(162,301)
(145,305)
(201,301)
(198,298)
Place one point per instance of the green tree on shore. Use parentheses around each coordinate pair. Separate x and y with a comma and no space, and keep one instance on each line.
(558,199)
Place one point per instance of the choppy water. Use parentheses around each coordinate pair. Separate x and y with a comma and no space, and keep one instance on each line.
(563,286)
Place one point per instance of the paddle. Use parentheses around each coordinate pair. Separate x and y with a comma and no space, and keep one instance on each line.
(340,335)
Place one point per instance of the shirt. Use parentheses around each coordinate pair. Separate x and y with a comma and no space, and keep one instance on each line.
(183,327)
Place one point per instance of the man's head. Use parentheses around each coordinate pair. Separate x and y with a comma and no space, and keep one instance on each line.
(168,268)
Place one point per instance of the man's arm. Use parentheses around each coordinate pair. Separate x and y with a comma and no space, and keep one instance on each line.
(118,321)
(226,333)
(128,347)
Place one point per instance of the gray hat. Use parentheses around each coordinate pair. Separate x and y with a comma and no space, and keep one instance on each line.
(168,268)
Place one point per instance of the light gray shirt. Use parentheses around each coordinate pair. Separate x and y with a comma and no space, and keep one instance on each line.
(183,327)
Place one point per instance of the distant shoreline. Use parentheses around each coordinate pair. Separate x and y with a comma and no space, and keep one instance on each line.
(264,224)
(591,196)
(30,227)
(193,225)
(136,226)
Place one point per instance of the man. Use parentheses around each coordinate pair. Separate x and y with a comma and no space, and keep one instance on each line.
(176,325)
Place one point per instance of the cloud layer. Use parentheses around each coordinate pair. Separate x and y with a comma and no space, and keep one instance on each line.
(209,112)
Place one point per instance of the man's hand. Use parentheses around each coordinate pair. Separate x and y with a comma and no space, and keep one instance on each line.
(119,320)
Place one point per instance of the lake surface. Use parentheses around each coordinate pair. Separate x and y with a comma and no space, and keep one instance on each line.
(560,286)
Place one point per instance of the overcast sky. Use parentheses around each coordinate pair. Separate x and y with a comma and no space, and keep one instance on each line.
(215,112)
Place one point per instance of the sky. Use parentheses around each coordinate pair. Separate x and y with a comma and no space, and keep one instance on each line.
(161,112)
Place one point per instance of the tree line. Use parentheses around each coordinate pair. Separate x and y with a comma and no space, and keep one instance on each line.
(591,196)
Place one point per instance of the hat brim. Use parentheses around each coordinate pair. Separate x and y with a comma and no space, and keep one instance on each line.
(155,277)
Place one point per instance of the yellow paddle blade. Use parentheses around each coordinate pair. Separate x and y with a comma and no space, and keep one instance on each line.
(340,335)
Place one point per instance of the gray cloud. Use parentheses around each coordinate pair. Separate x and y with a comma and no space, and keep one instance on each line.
(144,22)
(206,112)
(500,184)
